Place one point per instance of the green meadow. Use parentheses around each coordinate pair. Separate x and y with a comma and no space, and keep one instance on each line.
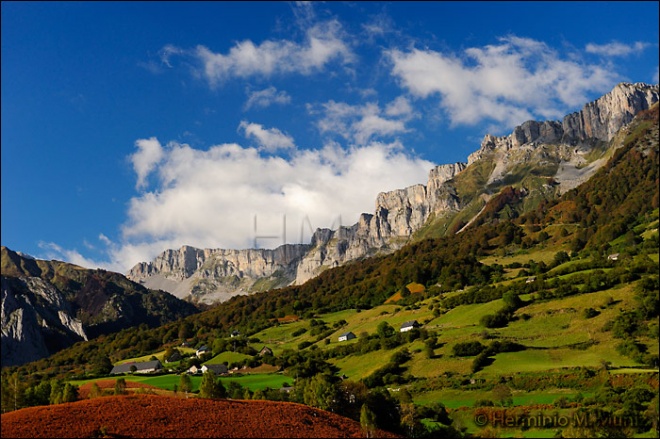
(168,382)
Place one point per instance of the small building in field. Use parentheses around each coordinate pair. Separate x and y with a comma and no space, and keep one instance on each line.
(347,336)
(194,370)
(141,367)
(407,326)
(613,257)
(217,369)
(235,333)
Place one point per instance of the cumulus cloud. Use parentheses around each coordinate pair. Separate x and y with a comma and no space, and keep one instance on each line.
(361,123)
(267,97)
(399,107)
(209,198)
(270,139)
(149,153)
(509,82)
(616,49)
(323,43)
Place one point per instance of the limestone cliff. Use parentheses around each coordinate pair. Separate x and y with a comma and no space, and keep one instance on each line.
(597,121)
(212,275)
(398,214)
(559,150)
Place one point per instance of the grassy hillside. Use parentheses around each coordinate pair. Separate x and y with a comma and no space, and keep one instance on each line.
(525,313)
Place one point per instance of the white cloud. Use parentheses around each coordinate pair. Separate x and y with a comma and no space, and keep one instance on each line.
(616,49)
(372,124)
(270,140)
(304,13)
(267,97)
(510,82)
(209,198)
(323,43)
(361,123)
(167,52)
(656,75)
(399,107)
(149,153)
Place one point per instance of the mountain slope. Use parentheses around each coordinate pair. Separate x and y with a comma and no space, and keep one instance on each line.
(551,317)
(541,160)
(49,305)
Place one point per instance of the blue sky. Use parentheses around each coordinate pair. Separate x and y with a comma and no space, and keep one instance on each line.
(133,127)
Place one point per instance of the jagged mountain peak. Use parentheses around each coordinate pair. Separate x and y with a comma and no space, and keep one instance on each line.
(556,151)
(598,120)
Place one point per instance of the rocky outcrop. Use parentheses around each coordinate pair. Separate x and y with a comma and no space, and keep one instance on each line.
(211,275)
(597,121)
(50,305)
(602,118)
(214,274)
(209,263)
(36,321)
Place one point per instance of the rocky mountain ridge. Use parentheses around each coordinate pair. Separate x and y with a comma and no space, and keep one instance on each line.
(50,305)
(565,149)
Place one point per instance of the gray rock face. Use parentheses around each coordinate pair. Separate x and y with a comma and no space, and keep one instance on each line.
(209,263)
(602,118)
(218,274)
(598,120)
(36,320)
(213,275)
(50,305)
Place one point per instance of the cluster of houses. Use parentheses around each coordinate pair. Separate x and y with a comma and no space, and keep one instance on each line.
(217,369)
(405,327)
(155,366)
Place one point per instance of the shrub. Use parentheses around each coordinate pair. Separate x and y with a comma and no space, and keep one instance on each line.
(304,345)
(589,313)
(484,403)
(498,320)
(480,361)
(467,349)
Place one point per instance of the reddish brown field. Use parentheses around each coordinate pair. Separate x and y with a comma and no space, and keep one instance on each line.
(288,318)
(165,416)
(108,388)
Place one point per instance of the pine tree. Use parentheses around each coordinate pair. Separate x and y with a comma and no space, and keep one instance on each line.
(185,384)
(211,387)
